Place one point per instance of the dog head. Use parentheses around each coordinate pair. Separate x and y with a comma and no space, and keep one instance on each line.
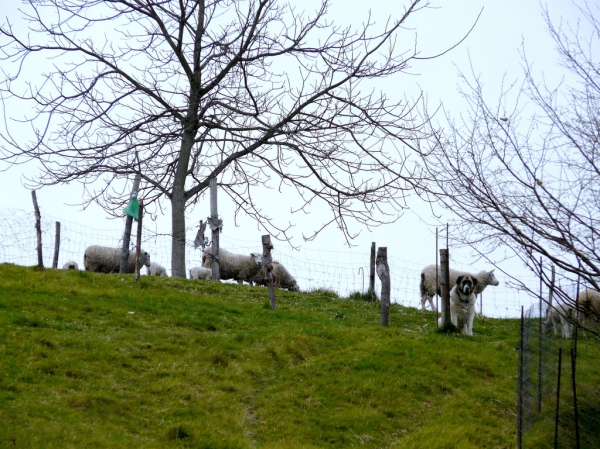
(466,284)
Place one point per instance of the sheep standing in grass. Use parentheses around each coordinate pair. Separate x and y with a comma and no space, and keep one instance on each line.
(281,278)
(156,270)
(201,273)
(235,266)
(589,305)
(102,259)
(70,265)
(562,315)
(429,288)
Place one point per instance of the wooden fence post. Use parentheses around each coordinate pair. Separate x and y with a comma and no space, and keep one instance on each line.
(38,227)
(56,246)
(383,271)
(138,246)
(445,286)
(128,226)
(267,268)
(214,215)
(372,273)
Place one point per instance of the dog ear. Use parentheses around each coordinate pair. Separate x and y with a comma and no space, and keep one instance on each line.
(459,279)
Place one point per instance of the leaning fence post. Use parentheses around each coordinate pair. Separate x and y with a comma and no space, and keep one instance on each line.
(138,246)
(267,268)
(56,245)
(38,227)
(557,398)
(383,271)
(445,286)
(372,273)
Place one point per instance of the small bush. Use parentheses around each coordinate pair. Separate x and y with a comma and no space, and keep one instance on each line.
(366,296)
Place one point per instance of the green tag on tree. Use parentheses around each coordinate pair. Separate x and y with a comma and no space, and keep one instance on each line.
(133,208)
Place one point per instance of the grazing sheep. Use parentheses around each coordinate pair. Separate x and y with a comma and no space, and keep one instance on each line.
(235,266)
(156,270)
(589,305)
(102,259)
(563,315)
(70,265)
(281,278)
(201,273)
(429,289)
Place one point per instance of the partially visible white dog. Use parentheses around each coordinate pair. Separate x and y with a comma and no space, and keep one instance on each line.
(462,303)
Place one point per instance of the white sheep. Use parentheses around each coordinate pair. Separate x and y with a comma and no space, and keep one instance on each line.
(281,278)
(108,260)
(235,266)
(201,273)
(70,265)
(429,289)
(156,270)
(563,315)
(589,305)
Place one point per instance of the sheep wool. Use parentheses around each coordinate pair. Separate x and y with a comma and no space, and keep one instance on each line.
(156,269)
(102,259)
(234,266)
(201,273)
(429,288)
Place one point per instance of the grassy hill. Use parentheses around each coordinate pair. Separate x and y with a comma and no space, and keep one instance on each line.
(91,360)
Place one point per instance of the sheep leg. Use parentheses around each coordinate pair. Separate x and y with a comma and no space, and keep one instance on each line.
(433,308)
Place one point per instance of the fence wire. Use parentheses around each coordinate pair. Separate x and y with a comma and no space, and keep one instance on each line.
(547,416)
(343,271)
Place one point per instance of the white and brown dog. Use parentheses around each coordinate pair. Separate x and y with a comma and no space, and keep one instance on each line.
(462,303)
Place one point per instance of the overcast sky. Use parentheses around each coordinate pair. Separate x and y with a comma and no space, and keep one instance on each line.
(494,47)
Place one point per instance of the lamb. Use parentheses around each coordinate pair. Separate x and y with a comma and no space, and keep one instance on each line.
(235,266)
(428,288)
(156,270)
(563,315)
(102,259)
(70,265)
(281,278)
(201,273)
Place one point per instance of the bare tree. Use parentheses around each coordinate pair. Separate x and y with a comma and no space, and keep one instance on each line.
(527,181)
(253,93)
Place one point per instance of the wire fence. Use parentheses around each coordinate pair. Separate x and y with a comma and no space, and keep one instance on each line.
(344,272)
(558,387)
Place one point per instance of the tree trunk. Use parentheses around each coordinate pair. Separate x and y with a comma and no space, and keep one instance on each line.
(178,201)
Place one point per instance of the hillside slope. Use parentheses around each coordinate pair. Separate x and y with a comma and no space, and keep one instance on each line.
(91,360)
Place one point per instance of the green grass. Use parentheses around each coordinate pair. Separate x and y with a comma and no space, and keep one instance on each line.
(92,360)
